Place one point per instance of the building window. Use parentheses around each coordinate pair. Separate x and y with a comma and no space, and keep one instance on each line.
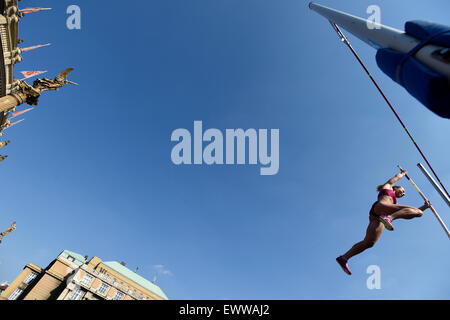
(103,288)
(30,278)
(70,258)
(77,294)
(118,296)
(87,279)
(15,294)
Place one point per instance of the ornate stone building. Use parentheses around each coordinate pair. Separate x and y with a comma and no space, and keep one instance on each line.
(73,277)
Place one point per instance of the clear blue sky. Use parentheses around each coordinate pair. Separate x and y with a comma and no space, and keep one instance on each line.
(89,170)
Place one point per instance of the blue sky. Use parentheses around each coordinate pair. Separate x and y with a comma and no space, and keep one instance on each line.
(89,170)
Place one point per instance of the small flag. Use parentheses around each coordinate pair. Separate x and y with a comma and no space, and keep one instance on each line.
(15,114)
(31,10)
(14,123)
(30,74)
(35,47)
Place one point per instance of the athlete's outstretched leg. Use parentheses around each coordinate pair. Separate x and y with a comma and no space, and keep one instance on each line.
(373,233)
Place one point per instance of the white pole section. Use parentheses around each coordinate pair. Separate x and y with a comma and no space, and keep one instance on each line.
(431,208)
(435,185)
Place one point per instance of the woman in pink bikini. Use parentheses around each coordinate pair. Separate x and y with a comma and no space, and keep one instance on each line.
(381,215)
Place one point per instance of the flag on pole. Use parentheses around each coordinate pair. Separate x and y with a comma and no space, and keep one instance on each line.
(35,47)
(32,10)
(14,123)
(30,74)
(15,114)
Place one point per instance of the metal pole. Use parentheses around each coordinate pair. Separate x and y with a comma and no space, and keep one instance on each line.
(381,36)
(425,199)
(435,185)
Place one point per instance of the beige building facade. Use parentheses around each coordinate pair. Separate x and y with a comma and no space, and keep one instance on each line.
(72,277)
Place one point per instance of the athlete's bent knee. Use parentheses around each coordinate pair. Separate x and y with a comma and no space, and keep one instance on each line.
(416,213)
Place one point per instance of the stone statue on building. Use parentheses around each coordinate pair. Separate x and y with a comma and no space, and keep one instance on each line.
(31,94)
(11,228)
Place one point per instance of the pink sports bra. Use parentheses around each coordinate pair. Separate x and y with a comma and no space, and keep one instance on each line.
(388,192)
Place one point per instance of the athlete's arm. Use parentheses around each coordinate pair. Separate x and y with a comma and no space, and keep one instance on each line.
(391,182)
(426,205)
